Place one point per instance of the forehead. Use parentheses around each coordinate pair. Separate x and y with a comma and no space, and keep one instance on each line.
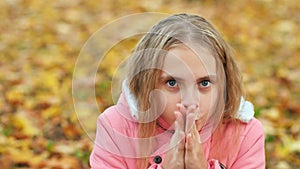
(186,62)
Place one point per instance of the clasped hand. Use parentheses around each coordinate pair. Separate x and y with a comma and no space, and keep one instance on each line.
(185,147)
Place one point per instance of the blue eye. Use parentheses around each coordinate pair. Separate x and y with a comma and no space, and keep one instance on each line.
(172,83)
(205,83)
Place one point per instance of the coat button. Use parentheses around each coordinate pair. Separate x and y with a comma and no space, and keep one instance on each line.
(222,166)
(157,159)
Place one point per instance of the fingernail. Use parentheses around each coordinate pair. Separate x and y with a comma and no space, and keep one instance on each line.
(177,114)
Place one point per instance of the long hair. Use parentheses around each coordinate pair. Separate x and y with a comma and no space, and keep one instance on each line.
(147,60)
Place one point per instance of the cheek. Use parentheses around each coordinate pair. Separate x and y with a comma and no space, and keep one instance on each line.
(208,101)
(205,103)
(168,113)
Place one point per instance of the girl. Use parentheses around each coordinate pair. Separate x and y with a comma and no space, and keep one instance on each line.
(181,105)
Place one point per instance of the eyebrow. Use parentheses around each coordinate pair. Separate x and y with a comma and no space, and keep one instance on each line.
(211,77)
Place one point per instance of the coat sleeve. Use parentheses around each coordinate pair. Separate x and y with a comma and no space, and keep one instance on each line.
(101,159)
(252,151)
(106,149)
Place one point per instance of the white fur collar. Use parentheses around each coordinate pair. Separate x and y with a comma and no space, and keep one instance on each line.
(130,100)
(245,112)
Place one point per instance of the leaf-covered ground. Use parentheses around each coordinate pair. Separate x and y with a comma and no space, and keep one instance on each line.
(41,40)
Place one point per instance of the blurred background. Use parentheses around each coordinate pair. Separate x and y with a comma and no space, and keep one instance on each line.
(41,40)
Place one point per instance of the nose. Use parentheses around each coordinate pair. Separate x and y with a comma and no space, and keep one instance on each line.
(189,98)
(188,104)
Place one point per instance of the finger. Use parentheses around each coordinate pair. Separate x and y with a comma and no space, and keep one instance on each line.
(190,121)
(194,152)
(191,108)
(181,145)
(189,142)
(192,138)
(177,142)
(190,117)
(178,138)
(179,120)
(175,156)
(181,108)
(195,134)
(180,135)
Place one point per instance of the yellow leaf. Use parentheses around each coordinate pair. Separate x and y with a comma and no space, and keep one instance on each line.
(22,122)
(15,96)
(51,112)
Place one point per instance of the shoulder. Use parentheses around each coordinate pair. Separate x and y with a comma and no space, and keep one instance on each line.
(252,133)
(118,118)
(249,148)
(247,134)
(111,116)
(251,152)
(253,128)
(252,138)
(115,139)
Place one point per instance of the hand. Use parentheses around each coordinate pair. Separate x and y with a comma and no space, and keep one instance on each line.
(194,154)
(185,147)
(175,156)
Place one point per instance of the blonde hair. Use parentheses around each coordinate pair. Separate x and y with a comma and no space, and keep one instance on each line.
(147,60)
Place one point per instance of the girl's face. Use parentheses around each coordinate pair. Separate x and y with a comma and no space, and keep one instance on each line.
(188,78)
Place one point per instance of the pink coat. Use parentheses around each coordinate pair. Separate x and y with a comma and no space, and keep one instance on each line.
(116,143)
